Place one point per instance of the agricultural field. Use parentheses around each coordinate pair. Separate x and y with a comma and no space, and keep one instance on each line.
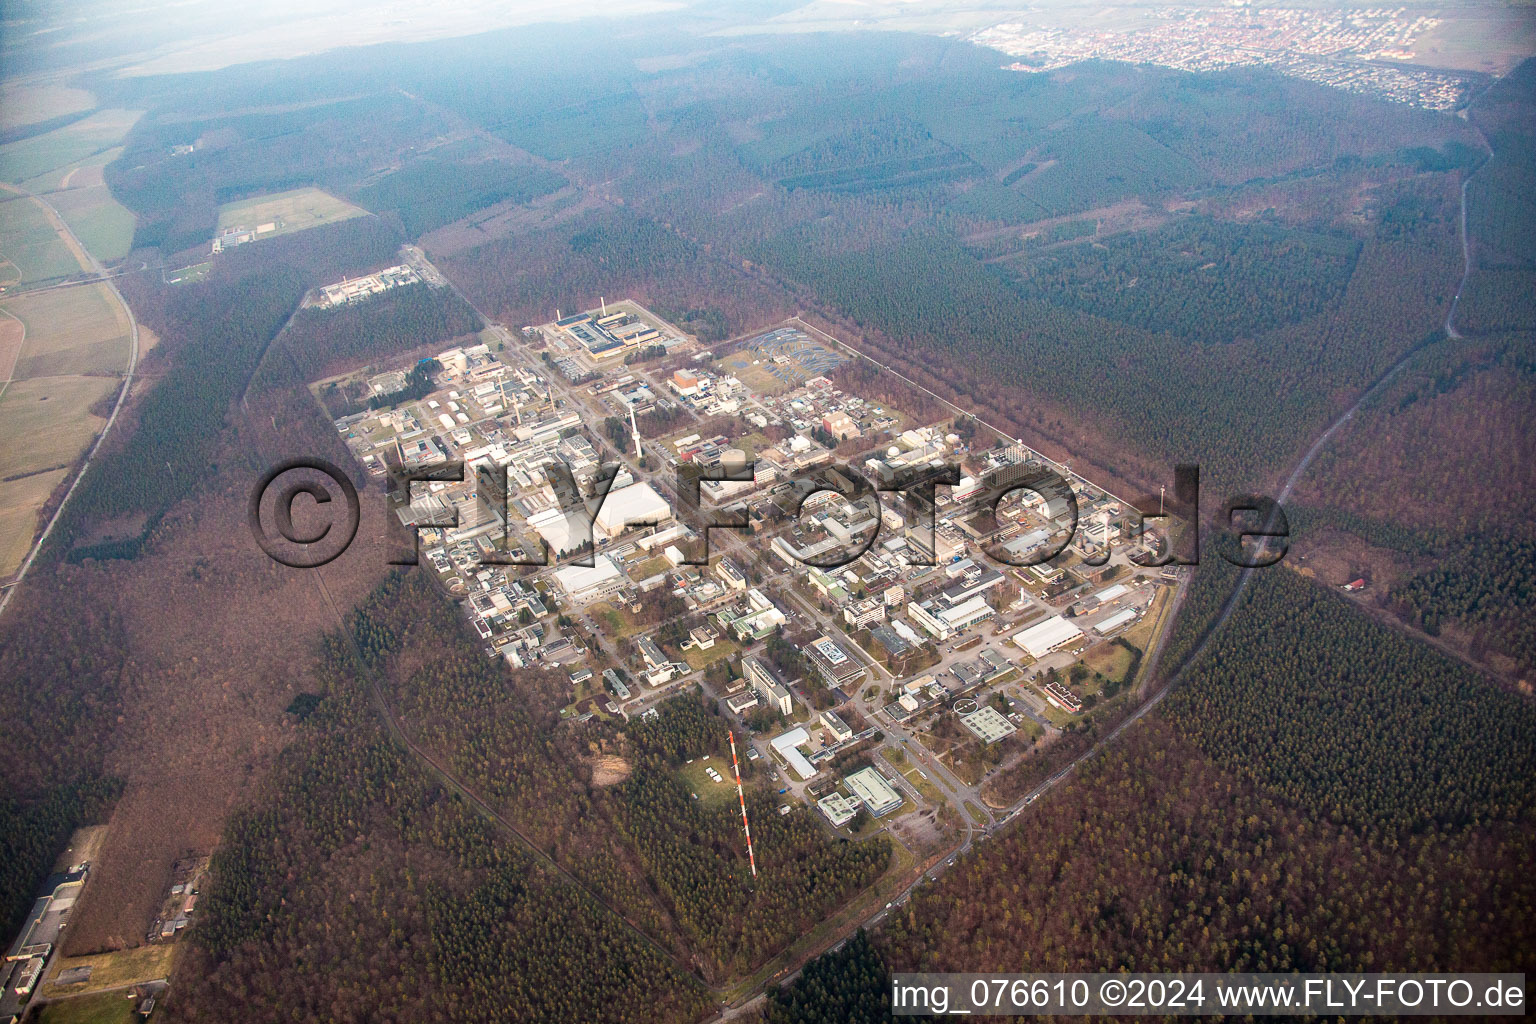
(31,249)
(60,354)
(82,173)
(79,193)
(292,211)
(12,337)
(23,104)
(81,329)
(19,501)
(71,144)
(47,422)
(102,224)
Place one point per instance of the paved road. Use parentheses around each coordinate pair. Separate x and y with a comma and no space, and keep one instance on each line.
(1466,239)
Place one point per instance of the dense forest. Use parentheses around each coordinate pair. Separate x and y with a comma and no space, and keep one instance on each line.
(216,332)
(1499,214)
(857,191)
(697,856)
(1485,584)
(247,153)
(61,690)
(1424,494)
(1308,697)
(1154,858)
(430,192)
(1208,281)
(362,887)
(318,342)
(850,985)
(650,871)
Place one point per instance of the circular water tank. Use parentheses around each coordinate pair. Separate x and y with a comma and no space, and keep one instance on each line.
(892,452)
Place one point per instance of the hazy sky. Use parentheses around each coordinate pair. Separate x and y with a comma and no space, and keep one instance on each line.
(199,35)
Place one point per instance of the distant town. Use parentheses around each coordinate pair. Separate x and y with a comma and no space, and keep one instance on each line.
(1356,49)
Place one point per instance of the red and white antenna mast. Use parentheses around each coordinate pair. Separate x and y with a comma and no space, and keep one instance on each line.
(744,826)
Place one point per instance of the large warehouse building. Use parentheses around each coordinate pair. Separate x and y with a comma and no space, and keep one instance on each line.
(1044,637)
(634,505)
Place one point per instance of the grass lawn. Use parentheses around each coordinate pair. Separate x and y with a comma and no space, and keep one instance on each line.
(109,970)
(723,648)
(76,330)
(644,570)
(106,1008)
(711,793)
(190,275)
(616,621)
(910,772)
(756,378)
(752,443)
(297,209)
(1142,633)
(1031,729)
(1110,659)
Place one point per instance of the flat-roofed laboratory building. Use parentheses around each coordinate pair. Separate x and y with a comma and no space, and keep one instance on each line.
(873,791)
(988,725)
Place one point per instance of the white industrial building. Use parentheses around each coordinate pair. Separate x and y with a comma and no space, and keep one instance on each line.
(564,532)
(630,506)
(987,724)
(1044,637)
(1108,594)
(945,623)
(1116,621)
(581,583)
(788,747)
